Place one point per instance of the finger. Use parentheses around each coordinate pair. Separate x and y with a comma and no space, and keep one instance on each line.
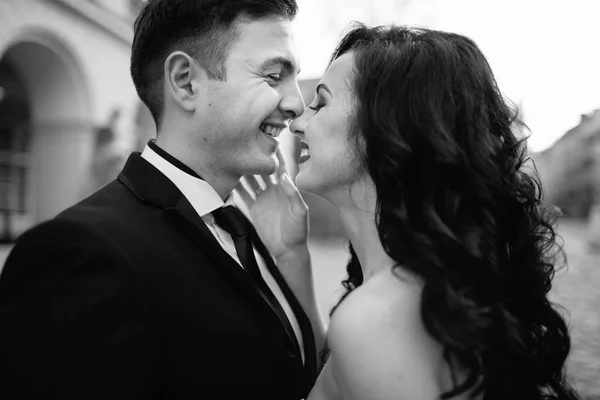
(298,207)
(270,180)
(254,185)
(282,165)
(244,195)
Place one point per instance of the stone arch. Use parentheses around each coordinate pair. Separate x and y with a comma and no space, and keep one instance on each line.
(45,73)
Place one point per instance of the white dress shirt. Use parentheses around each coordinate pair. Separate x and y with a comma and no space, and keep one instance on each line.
(205,200)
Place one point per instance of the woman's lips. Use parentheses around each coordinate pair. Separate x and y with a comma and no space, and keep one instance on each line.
(304,156)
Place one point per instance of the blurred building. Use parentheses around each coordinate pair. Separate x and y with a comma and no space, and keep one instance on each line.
(570,173)
(69,113)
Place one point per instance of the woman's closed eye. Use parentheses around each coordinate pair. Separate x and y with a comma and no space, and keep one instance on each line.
(317,107)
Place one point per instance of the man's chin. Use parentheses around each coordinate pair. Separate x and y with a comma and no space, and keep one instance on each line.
(266,167)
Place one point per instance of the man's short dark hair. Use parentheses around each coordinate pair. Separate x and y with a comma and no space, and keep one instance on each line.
(204,29)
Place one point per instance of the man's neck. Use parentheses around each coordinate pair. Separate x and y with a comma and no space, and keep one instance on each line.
(221,183)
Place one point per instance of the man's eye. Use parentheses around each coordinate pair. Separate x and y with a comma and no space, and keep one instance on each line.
(274,78)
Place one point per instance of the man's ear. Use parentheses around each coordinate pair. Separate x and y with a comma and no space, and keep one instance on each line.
(183,80)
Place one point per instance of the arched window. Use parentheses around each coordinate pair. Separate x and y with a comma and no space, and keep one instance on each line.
(15,137)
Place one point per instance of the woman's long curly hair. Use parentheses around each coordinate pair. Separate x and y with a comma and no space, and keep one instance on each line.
(457,206)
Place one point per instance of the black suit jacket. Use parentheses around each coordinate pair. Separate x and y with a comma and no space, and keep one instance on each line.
(128,295)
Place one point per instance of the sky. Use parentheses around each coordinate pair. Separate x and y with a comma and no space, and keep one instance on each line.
(545,53)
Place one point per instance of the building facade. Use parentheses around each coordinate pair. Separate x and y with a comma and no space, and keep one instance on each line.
(67,104)
(570,173)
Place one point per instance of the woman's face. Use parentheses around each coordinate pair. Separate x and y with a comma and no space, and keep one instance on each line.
(328,163)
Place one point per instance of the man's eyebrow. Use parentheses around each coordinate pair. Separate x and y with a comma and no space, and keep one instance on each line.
(284,62)
(324,87)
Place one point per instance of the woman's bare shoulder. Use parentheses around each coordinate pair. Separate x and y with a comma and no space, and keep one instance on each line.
(389,299)
(379,346)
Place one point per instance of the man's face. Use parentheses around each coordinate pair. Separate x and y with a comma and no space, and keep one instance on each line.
(244,114)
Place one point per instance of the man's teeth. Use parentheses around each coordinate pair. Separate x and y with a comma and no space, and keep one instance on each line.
(271,130)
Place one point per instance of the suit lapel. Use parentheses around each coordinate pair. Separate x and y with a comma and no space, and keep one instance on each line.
(310,350)
(186,214)
(149,185)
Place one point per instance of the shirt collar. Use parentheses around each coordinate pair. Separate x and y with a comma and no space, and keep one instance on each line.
(163,153)
(199,193)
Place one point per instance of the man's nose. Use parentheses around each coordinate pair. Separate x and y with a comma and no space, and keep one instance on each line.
(297,127)
(292,103)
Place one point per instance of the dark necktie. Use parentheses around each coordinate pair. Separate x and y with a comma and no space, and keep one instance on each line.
(310,350)
(235,223)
